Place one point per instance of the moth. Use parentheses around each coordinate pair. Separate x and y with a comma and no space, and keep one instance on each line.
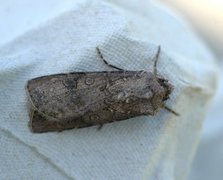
(82,99)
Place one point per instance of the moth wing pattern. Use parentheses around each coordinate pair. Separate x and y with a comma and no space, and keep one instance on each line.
(81,99)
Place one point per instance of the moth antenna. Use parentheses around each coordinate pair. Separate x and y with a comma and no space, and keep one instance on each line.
(156,60)
(171,111)
(110,65)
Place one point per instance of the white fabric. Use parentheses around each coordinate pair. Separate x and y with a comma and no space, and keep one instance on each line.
(128,33)
(208,161)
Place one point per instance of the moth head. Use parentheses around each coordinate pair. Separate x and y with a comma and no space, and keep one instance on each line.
(168,88)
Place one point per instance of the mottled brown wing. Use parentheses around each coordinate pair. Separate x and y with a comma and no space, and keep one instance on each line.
(65,101)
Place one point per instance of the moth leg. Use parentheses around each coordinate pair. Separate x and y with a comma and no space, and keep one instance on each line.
(100,126)
(171,111)
(110,65)
(156,60)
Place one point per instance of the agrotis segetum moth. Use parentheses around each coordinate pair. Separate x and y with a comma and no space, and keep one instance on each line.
(81,99)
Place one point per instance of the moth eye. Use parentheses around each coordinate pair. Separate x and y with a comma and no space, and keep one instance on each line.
(166,97)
